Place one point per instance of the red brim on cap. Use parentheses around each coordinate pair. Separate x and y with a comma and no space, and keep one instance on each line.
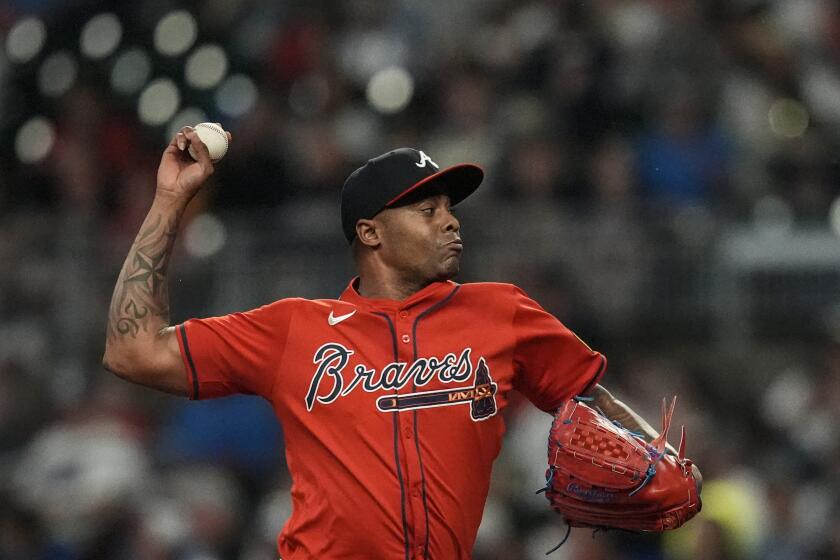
(458,181)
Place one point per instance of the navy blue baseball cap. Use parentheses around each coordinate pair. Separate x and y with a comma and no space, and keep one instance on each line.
(386,180)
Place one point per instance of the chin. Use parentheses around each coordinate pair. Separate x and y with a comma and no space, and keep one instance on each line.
(449,272)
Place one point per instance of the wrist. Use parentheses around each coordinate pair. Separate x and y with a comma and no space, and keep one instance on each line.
(168,199)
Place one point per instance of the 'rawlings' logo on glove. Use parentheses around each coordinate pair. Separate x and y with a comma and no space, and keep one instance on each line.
(590,494)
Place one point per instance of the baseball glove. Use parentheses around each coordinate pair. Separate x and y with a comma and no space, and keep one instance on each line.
(602,475)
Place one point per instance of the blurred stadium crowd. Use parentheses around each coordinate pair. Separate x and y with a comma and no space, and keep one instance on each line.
(663,175)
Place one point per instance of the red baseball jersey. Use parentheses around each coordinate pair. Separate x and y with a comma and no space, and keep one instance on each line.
(390,409)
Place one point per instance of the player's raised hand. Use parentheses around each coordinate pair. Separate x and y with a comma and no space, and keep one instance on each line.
(179,175)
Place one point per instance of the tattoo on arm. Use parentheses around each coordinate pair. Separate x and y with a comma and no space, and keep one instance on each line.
(140,304)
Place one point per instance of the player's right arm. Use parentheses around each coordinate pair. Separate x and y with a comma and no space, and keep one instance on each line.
(140,345)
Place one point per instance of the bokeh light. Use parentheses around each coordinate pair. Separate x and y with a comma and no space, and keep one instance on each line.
(390,90)
(361,56)
(205,236)
(34,140)
(175,33)
(101,36)
(25,40)
(57,74)
(131,71)
(188,116)
(237,95)
(788,118)
(206,67)
(158,102)
(357,130)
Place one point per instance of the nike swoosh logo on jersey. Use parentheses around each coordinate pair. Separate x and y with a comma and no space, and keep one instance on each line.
(333,320)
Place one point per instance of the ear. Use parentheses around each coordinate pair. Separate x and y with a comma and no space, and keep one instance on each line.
(369,232)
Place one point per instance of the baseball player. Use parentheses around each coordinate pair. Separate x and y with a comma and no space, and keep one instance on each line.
(390,396)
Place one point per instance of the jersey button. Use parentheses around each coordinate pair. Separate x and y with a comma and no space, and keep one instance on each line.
(407,431)
(406,339)
(415,493)
(403,314)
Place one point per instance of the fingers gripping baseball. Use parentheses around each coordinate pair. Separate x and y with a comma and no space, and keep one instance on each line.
(185,166)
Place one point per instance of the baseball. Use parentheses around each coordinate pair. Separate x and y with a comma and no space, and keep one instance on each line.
(214,138)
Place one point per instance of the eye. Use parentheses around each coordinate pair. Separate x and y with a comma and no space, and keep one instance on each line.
(428,210)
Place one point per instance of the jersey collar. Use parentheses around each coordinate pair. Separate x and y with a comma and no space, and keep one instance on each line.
(429,295)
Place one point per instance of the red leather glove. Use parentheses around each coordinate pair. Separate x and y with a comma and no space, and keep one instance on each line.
(602,475)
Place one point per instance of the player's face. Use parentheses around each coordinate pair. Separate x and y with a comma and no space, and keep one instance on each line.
(422,239)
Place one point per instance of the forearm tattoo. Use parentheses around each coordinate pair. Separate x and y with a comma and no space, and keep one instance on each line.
(140,304)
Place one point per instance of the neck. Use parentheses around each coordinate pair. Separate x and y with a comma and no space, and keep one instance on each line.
(394,288)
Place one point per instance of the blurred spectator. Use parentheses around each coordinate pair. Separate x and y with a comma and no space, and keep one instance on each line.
(683,160)
(81,480)
(537,170)
(806,177)
(240,433)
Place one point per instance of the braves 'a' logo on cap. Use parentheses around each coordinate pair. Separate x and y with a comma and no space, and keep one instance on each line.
(424,158)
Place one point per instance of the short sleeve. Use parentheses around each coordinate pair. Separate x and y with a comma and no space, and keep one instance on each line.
(551,363)
(236,353)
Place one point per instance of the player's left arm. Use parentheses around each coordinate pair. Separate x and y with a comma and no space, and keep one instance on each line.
(617,410)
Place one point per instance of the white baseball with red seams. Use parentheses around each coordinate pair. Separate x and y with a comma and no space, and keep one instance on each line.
(214,137)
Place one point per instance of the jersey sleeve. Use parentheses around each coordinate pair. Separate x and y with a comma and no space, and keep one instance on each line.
(236,353)
(551,363)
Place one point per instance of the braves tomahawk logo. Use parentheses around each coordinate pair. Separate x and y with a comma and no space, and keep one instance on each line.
(332,358)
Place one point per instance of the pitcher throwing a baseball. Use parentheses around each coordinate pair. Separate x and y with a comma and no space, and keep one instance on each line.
(390,396)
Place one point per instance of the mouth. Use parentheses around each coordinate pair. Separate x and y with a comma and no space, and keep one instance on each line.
(456,245)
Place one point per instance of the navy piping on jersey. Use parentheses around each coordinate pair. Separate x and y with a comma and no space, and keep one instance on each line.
(194,374)
(396,431)
(431,309)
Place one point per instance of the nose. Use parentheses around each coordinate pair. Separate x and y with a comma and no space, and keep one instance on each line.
(451,223)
